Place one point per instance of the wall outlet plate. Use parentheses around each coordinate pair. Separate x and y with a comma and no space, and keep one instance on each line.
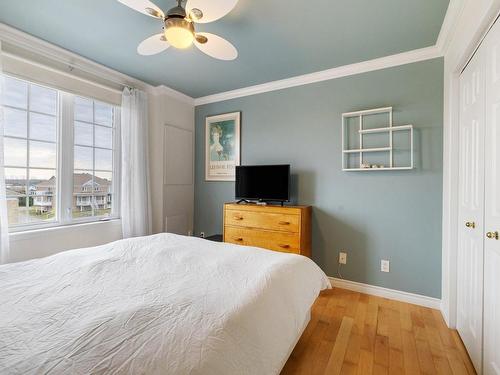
(202,234)
(342,258)
(384,265)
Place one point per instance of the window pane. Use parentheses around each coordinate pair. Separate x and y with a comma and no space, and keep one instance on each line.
(103,114)
(15,122)
(103,137)
(83,109)
(17,212)
(15,152)
(105,176)
(42,127)
(104,199)
(83,158)
(16,93)
(82,194)
(102,194)
(42,195)
(15,181)
(43,100)
(42,154)
(37,175)
(104,180)
(103,159)
(83,133)
(91,194)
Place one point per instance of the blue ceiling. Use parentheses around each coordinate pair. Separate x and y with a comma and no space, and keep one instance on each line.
(276,39)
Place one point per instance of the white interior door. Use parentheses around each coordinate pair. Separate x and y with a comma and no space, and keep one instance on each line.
(492,204)
(471,209)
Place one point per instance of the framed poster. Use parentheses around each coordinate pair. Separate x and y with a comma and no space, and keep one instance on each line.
(222,146)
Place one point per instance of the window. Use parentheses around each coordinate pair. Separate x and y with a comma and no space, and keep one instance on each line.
(43,187)
(30,151)
(93,158)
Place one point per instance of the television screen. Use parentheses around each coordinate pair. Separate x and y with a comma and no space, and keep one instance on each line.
(262,182)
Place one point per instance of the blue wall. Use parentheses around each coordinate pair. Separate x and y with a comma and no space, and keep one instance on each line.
(394,215)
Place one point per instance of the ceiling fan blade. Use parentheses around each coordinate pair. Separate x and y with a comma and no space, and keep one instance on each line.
(153,45)
(212,10)
(144,6)
(216,47)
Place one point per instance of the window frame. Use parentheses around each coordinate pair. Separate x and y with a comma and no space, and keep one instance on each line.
(65,159)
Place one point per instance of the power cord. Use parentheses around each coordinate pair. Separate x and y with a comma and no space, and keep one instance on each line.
(338,270)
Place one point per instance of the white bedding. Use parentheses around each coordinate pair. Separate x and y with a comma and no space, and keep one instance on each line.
(163,304)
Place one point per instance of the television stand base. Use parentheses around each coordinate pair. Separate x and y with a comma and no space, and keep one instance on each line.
(259,203)
(243,201)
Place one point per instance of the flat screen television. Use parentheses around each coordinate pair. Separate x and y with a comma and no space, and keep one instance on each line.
(263,183)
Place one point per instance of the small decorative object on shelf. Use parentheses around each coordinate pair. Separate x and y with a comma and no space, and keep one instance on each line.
(354,159)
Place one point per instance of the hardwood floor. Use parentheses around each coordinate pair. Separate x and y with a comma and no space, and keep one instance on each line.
(354,333)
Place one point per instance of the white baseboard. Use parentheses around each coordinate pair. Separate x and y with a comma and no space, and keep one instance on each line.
(379,291)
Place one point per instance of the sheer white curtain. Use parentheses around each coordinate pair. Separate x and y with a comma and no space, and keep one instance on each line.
(135,198)
(4,226)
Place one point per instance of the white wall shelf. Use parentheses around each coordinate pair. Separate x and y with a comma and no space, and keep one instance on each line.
(376,169)
(377,149)
(361,164)
(387,129)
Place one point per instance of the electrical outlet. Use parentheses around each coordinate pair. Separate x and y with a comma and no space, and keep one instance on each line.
(384,266)
(342,258)
(202,234)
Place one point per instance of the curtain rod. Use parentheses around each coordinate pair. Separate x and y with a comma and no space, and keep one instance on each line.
(68,74)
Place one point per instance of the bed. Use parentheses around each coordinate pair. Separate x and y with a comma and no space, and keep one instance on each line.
(161,304)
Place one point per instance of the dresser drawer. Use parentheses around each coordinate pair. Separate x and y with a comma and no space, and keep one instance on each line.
(263,220)
(279,241)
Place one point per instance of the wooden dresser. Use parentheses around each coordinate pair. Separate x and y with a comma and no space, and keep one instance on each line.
(286,229)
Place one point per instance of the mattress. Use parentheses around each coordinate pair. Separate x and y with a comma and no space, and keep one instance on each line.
(161,304)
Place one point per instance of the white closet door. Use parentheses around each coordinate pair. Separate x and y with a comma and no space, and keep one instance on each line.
(471,206)
(492,204)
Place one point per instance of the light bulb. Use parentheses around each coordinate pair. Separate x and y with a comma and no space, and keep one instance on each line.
(179,32)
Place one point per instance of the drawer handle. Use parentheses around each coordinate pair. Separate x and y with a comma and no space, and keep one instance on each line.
(239,239)
(284,223)
(284,246)
(237,218)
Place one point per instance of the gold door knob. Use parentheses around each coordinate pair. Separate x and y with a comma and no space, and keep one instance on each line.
(239,239)
(284,223)
(284,246)
(492,235)
(470,224)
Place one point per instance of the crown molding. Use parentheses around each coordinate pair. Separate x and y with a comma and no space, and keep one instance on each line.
(74,63)
(165,90)
(325,75)
(455,9)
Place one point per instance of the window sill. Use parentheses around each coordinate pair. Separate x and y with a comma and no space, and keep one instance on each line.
(21,235)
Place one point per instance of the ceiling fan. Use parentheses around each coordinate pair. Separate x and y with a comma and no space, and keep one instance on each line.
(179,27)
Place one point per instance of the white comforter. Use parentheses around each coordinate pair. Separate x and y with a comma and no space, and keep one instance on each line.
(163,304)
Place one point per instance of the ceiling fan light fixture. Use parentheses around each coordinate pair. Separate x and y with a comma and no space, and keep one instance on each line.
(179,32)
(179,25)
